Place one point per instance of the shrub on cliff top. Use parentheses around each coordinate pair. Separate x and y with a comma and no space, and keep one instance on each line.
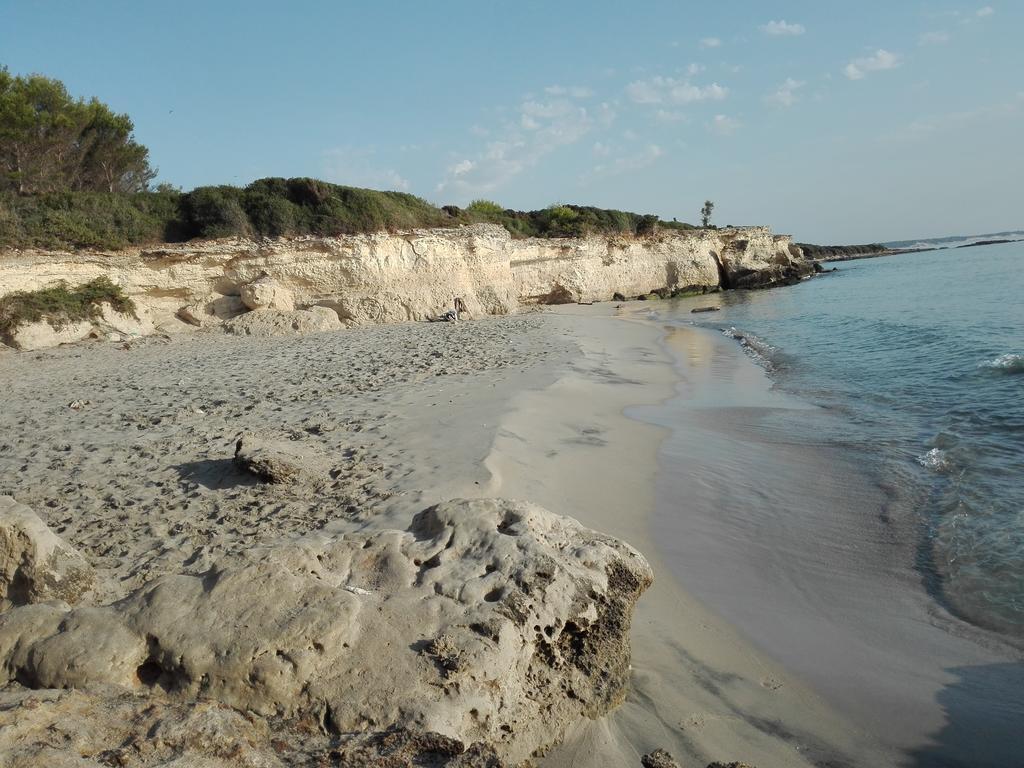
(59,304)
(276,207)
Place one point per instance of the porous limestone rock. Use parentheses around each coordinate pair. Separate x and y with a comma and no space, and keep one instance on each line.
(278,460)
(111,727)
(29,337)
(266,293)
(659,758)
(36,564)
(211,313)
(138,324)
(487,620)
(271,322)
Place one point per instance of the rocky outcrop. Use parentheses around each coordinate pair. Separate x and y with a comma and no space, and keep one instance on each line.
(394,277)
(270,322)
(486,620)
(35,564)
(266,293)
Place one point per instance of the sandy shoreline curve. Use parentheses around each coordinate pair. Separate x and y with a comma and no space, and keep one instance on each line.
(699,689)
(126,454)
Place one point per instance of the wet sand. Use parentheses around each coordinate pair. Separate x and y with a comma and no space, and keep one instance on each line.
(798,545)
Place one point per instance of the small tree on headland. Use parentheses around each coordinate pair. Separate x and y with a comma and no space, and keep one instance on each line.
(705,213)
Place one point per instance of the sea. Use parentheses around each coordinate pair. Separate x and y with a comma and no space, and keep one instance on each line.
(844,482)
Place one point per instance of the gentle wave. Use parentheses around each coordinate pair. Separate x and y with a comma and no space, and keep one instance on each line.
(1008,363)
(936,460)
(764,353)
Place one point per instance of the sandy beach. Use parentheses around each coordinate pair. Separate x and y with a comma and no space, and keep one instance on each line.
(126,451)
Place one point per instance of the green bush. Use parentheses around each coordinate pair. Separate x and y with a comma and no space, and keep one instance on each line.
(60,305)
(485,208)
(215,212)
(276,207)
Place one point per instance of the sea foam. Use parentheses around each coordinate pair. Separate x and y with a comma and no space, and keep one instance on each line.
(936,460)
(763,353)
(1011,362)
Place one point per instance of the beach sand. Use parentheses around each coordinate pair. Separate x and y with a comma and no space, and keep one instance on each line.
(126,452)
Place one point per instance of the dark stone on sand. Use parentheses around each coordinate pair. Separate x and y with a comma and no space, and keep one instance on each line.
(277,460)
(618,297)
(659,758)
(704,309)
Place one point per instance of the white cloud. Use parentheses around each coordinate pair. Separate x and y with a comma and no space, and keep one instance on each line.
(626,163)
(880,60)
(358,167)
(710,42)
(574,91)
(933,38)
(786,94)
(724,125)
(601,150)
(670,116)
(988,10)
(694,69)
(537,128)
(782,29)
(669,90)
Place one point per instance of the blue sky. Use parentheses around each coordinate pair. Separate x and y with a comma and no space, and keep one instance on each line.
(834,121)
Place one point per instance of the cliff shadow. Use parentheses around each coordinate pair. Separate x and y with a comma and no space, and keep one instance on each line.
(984,728)
(215,474)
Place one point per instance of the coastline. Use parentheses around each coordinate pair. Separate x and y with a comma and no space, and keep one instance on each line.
(700,690)
(536,406)
(801,546)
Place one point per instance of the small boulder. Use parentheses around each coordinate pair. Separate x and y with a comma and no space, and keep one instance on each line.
(266,293)
(36,565)
(278,460)
(42,335)
(659,758)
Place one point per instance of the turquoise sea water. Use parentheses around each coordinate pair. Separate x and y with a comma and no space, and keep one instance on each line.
(921,358)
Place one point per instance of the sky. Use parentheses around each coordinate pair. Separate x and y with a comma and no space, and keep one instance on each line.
(837,122)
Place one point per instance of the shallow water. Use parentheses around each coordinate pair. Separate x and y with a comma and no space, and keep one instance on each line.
(852,501)
(924,355)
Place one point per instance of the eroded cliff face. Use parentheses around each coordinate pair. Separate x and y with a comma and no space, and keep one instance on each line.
(398,277)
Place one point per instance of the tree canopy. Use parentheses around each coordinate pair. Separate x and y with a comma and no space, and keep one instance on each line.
(53,142)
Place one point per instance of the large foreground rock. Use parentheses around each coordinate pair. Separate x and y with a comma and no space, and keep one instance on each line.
(487,621)
(110,727)
(35,564)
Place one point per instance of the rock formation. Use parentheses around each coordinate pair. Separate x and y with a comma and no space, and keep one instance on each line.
(269,322)
(266,293)
(397,277)
(35,564)
(278,460)
(486,621)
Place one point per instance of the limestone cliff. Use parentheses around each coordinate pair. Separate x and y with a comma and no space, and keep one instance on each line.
(398,277)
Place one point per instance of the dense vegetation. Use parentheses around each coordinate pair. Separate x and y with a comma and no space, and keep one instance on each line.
(826,252)
(73,176)
(61,304)
(271,208)
(51,142)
